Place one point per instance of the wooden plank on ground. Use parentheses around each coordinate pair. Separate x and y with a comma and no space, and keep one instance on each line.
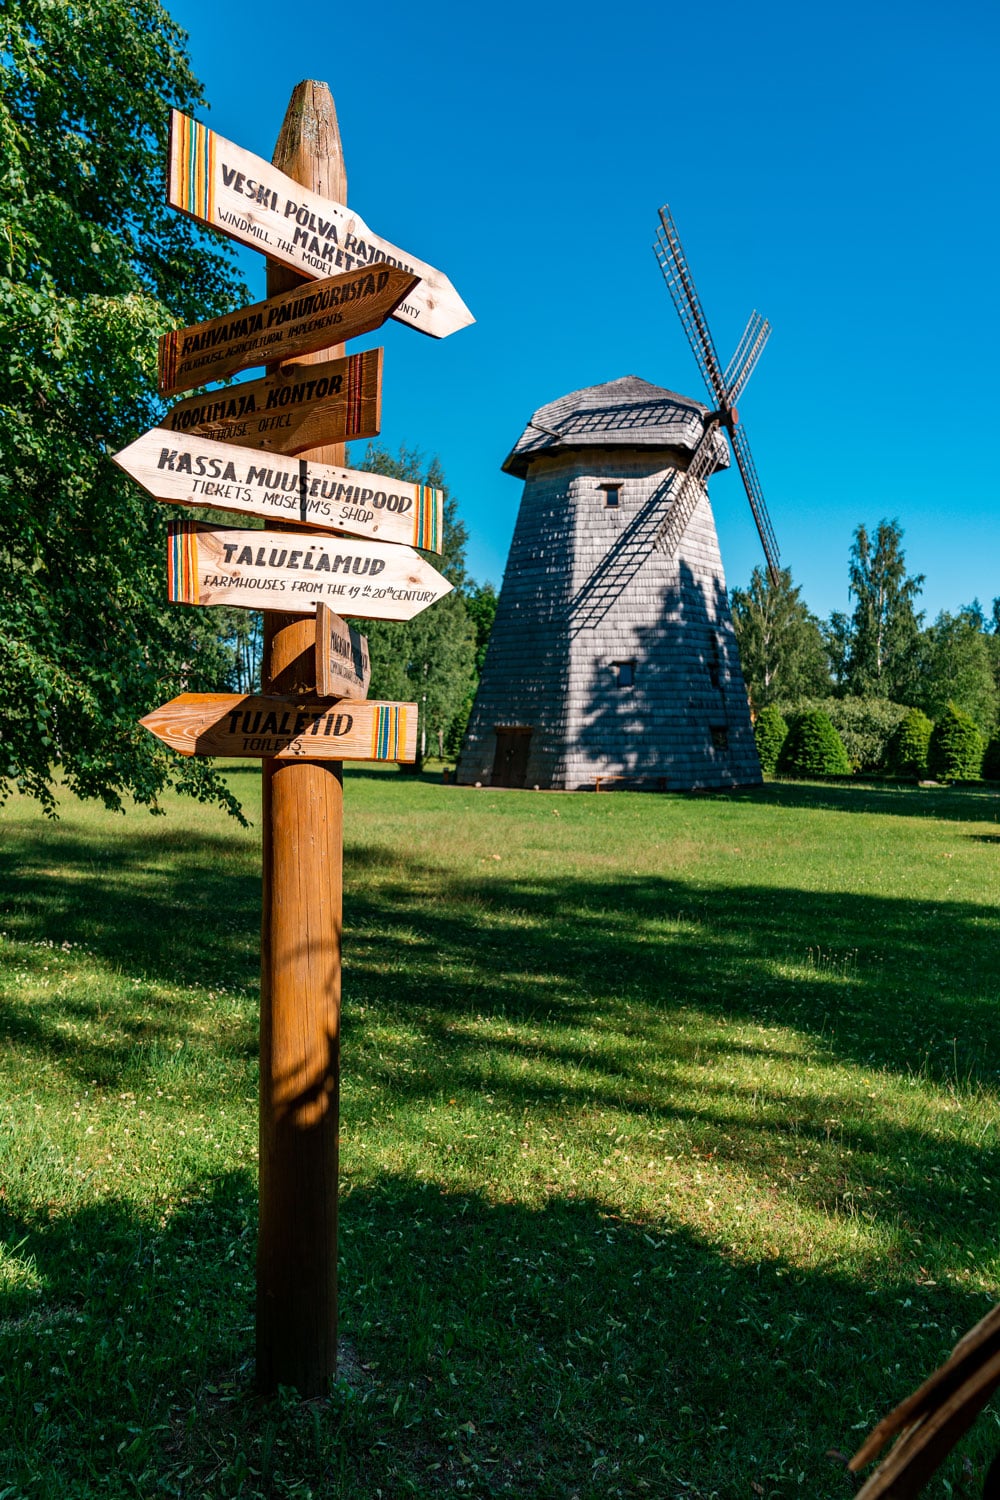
(193,470)
(294,571)
(930,1422)
(299,406)
(287,728)
(343,666)
(922,1448)
(220,184)
(311,316)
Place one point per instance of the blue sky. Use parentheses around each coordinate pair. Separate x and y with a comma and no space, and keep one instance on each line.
(834,167)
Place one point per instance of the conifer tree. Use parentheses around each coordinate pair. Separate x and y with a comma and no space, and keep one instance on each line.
(770,731)
(813,748)
(956,747)
(910,744)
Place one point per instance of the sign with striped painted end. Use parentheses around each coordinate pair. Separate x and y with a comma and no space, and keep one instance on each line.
(299,406)
(198,471)
(220,184)
(308,318)
(287,728)
(294,571)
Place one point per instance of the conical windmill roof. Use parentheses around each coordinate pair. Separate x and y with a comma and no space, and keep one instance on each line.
(625,413)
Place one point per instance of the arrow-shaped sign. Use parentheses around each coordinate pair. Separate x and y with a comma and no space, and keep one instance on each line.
(287,728)
(222,185)
(294,571)
(299,406)
(198,471)
(310,317)
(343,667)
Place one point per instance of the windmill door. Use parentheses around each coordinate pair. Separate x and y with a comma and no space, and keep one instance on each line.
(510,763)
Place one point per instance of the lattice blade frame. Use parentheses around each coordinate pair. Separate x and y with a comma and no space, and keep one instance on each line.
(680,284)
(747,468)
(725,387)
(748,352)
(689,490)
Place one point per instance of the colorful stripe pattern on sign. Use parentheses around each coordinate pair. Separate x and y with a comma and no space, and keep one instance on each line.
(192,161)
(428,518)
(388,731)
(182,562)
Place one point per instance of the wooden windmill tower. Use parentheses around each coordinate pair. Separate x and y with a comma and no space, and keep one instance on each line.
(613,658)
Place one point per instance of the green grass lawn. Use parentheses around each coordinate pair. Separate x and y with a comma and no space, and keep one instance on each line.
(670,1155)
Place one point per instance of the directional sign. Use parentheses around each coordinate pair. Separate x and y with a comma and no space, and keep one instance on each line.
(310,317)
(197,471)
(294,571)
(299,406)
(343,667)
(287,728)
(231,189)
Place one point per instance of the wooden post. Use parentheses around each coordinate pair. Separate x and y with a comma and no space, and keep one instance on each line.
(300,938)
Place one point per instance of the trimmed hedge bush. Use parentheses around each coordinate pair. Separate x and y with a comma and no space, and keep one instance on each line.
(991,760)
(955,752)
(866,726)
(813,748)
(770,731)
(910,743)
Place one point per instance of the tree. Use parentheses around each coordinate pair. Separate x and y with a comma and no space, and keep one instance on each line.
(241,632)
(884,630)
(781,647)
(836,634)
(411,464)
(93,267)
(770,731)
(911,743)
(991,760)
(432,658)
(481,602)
(956,747)
(813,748)
(959,668)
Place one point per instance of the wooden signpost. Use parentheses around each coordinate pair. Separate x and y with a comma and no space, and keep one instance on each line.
(294,571)
(199,471)
(295,408)
(285,327)
(312,711)
(343,666)
(286,727)
(220,184)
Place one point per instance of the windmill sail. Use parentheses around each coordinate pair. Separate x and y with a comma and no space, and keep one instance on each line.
(723,385)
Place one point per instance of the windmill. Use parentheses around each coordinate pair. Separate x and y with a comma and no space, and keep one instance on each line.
(613,658)
(725,388)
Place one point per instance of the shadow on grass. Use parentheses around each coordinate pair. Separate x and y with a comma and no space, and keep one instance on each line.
(956,803)
(906,985)
(528,1353)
